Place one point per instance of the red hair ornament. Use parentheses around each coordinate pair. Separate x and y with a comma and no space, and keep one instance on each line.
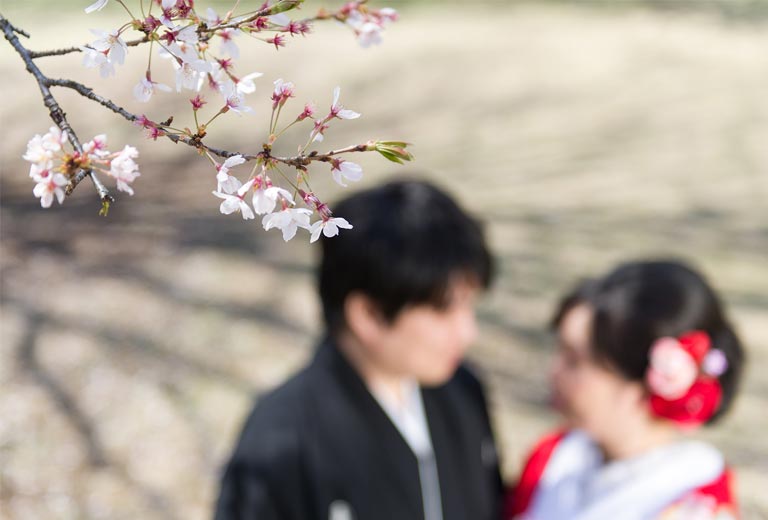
(683,378)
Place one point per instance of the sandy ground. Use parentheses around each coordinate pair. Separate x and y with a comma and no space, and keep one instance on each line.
(132,346)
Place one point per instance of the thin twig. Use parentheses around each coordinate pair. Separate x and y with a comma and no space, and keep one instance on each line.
(90,94)
(258,14)
(20,31)
(69,50)
(301,161)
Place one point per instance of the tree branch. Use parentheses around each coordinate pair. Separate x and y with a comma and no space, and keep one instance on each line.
(56,113)
(20,31)
(300,161)
(258,14)
(69,50)
(90,94)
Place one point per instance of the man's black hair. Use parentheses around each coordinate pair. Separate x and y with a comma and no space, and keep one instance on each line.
(409,243)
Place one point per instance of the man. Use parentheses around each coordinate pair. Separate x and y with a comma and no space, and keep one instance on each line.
(385,423)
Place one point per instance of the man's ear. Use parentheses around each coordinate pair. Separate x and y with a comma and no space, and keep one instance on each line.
(363,318)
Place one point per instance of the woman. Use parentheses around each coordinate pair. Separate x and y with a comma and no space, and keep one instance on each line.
(645,356)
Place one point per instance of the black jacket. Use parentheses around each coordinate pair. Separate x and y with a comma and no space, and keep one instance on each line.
(322,438)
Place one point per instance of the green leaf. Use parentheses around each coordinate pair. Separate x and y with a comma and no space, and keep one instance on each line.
(104,208)
(285,5)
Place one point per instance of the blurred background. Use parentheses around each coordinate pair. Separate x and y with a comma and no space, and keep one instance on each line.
(583,133)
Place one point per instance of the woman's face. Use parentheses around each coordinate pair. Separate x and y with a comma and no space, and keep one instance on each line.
(590,395)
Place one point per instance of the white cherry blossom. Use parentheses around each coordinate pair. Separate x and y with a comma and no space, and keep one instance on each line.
(288,221)
(265,199)
(369,34)
(245,85)
(231,162)
(234,202)
(167,13)
(93,58)
(280,19)
(40,172)
(54,139)
(226,182)
(48,187)
(329,228)
(191,74)
(111,44)
(187,34)
(339,111)
(213,18)
(228,44)
(37,151)
(124,169)
(341,169)
(235,100)
(97,146)
(98,5)
(145,88)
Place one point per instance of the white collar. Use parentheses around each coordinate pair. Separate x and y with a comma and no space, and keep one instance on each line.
(577,485)
(407,414)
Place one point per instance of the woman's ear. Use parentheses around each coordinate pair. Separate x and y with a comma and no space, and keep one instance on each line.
(637,396)
(364,318)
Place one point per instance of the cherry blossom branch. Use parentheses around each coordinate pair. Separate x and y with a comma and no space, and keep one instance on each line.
(301,161)
(237,24)
(55,170)
(57,114)
(133,43)
(69,50)
(90,94)
(298,161)
(204,31)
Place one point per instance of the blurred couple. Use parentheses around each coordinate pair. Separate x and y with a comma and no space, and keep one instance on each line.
(387,422)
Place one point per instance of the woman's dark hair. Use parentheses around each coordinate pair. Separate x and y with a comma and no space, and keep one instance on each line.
(639,302)
(408,243)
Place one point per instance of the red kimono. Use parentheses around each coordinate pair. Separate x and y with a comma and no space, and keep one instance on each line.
(541,481)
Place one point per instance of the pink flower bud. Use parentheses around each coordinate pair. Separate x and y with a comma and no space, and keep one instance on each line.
(259,24)
(154,132)
(295,28)
(309,111)
(150,23)
(169,37)
(144,122)
(282,92)
(184,8)
(225,63)
(197,102)
(278,41)
(349,7)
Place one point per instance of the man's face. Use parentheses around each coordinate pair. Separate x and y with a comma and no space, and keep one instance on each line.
(428,343)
